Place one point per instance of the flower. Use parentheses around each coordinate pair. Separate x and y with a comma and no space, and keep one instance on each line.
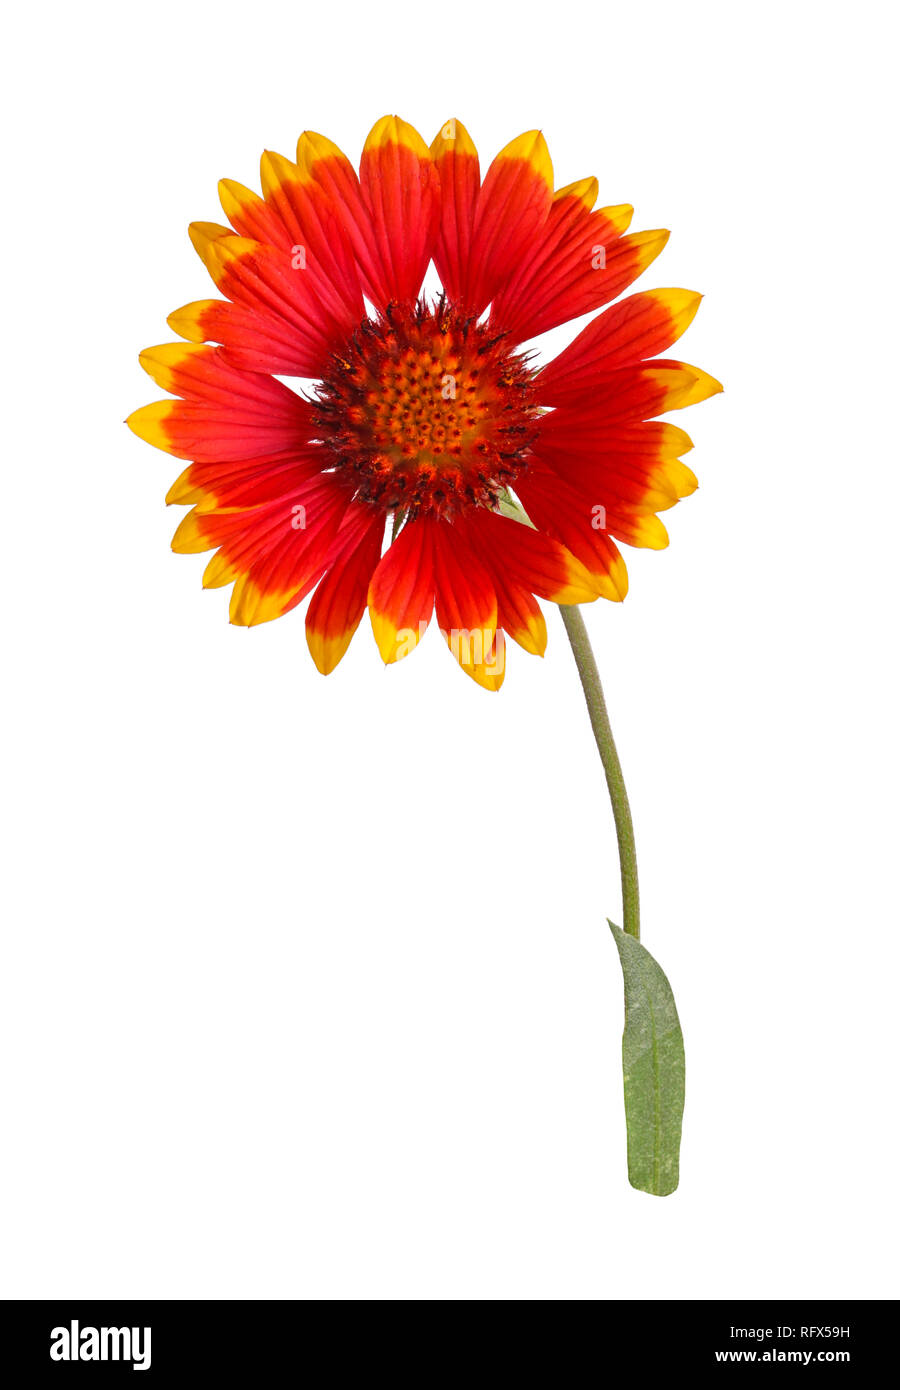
(427,413)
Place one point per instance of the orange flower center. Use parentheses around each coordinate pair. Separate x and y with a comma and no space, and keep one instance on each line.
(428,411)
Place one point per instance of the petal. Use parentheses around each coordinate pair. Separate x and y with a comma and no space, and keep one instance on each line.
(252,341)
(456,161)
(635,462)
(558,508)
(489,673)
(643,531)
(512,206)
(640,326)
(530,559)
(600,509)
(251,216)
(339,601)
(224,414)
(643,484)
(203,234)
(317,238)
(285,295)
(518,611)
(573,430)
(583,191)
(401,191)
(581,263)
(630,393)
(466,605)
(617,219)
(401,594)
(333,183)
(275,553)
(702,387)
(519,614)
(247,482)
(569,209)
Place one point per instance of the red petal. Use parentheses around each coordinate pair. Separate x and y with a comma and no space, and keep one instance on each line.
(456,160)
(226,414)
(512,206)
(251,216)
(315,234)
(340,599)
(333,182)
(247,482)
(401,594)
(466,605)
(401,190)
(563,512)
(638,327)
(518,612)
(582,264)
(628,394)
(285,297)
(252,341)
(275,552)
(530,559)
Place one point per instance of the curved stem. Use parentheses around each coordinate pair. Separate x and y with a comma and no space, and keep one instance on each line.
(593,694)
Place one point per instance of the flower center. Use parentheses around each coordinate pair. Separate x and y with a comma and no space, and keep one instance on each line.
(427,410)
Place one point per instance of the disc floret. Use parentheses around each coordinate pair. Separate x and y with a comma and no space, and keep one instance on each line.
(428,410)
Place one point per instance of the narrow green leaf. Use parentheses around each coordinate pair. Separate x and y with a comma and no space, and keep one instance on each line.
(653,1067)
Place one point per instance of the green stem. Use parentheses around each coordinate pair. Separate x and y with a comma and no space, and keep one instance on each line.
(593,694)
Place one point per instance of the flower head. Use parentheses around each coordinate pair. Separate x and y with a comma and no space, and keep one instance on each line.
(425,413)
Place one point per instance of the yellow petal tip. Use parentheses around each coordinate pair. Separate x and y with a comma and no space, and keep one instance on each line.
(532,147)
(148,423)
(585,190)
(393,130)
(453,138)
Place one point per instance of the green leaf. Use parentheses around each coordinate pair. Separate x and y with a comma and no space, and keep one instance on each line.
(653,1067)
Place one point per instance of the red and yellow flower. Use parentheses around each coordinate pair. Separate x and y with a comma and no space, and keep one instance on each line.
(427,414)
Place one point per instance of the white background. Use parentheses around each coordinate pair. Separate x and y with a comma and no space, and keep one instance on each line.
(306,987)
